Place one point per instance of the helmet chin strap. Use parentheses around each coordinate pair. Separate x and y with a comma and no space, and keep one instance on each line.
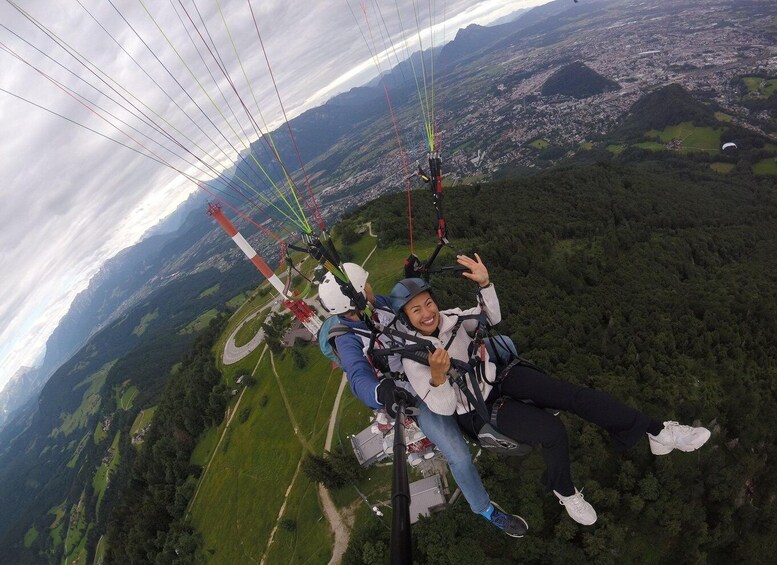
(351,315)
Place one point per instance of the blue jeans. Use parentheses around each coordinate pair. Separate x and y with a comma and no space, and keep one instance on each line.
(444,432)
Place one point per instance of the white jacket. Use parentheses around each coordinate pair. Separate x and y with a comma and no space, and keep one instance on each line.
(446,398)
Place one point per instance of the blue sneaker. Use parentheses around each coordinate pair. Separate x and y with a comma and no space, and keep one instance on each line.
(510,524)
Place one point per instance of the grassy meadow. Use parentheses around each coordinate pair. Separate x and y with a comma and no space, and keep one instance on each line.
(691,137)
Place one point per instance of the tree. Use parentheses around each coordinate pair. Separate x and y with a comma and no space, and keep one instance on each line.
(345,465)
(299,358)
(274,327)
(333,470)
(319,470)
(288,524)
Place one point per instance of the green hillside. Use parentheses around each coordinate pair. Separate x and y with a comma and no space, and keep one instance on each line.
(76,452)
(670,120)
(254,463)
(665,106)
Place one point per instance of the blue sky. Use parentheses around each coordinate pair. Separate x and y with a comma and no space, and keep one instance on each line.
(72,199)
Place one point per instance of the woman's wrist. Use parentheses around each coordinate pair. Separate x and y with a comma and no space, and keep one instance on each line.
(437,380)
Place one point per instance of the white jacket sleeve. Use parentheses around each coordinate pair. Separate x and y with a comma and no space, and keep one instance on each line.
(491,304)
(440,399)
(490,307)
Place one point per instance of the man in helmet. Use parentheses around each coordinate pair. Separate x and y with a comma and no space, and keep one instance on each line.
(376,393)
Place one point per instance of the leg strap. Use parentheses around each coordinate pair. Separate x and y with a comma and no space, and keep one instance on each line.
(492,439)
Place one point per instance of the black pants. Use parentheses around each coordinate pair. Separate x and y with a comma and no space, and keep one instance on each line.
(532,424)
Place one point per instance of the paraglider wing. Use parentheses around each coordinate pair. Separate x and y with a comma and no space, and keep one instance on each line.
(729,145)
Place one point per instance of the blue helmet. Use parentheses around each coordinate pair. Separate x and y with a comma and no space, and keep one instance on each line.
(405,290)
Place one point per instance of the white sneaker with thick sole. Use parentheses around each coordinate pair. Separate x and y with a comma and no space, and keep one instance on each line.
(675,436)
(578,509)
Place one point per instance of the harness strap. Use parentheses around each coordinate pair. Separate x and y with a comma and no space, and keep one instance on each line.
(495,409)
(503,373)
(376,354)
(457,374)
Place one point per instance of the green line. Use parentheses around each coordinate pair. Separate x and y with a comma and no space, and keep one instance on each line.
(266,127)
(301,221)
(431,32)
(267,201)
(428,115)
(95,69)
(415,75)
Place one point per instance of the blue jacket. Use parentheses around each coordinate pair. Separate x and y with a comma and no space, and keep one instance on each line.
(351,349)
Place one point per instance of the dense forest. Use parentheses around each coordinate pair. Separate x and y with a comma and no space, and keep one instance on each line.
(148,525)
(658,283)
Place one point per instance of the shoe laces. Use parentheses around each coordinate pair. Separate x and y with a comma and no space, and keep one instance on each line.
(500,519)
(675,427)
(576,500)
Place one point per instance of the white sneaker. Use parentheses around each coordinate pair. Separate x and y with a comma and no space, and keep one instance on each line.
(675,436)
(577,508)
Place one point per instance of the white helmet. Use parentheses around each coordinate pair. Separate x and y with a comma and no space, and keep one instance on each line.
(330,294)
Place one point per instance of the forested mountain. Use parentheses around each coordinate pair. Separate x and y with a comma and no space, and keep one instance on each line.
(61,466)
(120,284)
(577,80)
(474,38)
(665,106)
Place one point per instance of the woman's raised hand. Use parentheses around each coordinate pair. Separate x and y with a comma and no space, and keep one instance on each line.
(477,270)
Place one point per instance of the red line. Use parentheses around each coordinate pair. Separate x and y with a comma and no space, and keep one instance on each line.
(157,157)
(396,132)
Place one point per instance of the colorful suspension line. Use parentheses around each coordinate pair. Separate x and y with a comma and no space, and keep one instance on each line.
(296,193)
(155,157)
(90,104)
(145,118)
(267,136)
(295,212)
(149,153)
(135,111)
(220,64)
(426,96)
(317,211)
(376,60)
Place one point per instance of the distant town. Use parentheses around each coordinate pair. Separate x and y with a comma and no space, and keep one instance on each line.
(495,116)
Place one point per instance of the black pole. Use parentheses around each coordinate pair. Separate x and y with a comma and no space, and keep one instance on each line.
(400,494)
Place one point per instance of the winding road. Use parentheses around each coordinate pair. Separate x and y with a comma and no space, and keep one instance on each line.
(233,353)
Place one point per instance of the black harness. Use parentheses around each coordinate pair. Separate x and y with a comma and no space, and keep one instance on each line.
(462,374)
(466,375)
